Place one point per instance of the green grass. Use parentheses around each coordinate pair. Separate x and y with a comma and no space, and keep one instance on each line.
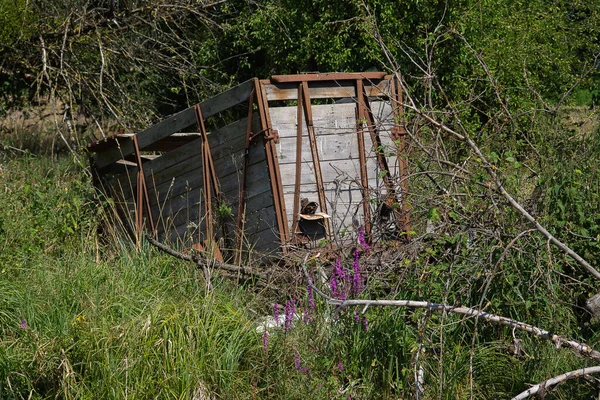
(84,315)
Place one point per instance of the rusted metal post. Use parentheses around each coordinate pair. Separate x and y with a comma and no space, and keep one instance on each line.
(209,176)
(241,220)
(142,192)
(269,139)
(362,158)
(315,153)
(399,136)
(298,161)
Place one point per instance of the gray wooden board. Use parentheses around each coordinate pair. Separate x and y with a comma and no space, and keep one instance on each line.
(330,148)
(259,221)
(175,208)
(175,123)
(336,170)
(160,188)
(329,118)
(325,90)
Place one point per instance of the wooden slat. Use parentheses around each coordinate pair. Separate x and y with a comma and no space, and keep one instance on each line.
(323,90)
(331,118)
(332,77)
(234,96)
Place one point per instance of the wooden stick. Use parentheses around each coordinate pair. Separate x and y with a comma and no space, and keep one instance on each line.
(541,387)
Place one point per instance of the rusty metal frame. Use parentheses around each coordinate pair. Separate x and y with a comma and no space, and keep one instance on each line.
(310,128)
(241,220)
(209,176)
(332,76)
(298,178)
(142,193)
(399,135)
(269,139)
(362,157)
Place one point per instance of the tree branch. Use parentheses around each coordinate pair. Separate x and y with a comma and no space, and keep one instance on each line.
(558,340)
(556,380)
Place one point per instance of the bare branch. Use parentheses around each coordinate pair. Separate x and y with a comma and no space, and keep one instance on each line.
(556,380)
(491,170)
(559,341)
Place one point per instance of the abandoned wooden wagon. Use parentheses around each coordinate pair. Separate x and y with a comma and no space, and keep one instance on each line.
(310,160)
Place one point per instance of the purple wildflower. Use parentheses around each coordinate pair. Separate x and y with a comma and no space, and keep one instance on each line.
(356,279)
(362,241)
(265,342)
(311,298)
(365,323)
(299,366)
(356,316)
(23,323)
(290,310)
(276,313)
(340,366)
(333,286)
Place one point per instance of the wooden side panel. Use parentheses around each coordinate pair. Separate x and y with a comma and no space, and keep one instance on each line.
(175,123)
(337,142)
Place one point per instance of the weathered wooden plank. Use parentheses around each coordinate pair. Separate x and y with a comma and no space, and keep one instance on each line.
(174,123)
(330,118)
(333,77)
(330,148)
(324,90)
(234,96)
(192,180)
(266,241)
(332,171)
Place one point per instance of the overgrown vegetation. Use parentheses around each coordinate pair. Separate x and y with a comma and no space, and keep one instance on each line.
(86,314)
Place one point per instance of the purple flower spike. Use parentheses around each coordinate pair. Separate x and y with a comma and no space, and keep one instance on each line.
(340,366)
(290,310)
(276,313)
(265,342)
(334,286)
(356,316)
(362,241)
(365,323)
(23,324)
(356,279)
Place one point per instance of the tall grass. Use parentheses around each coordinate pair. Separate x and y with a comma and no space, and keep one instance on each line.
(86,315)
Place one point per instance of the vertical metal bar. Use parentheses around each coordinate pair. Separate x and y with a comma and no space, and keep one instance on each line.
(375,139)
(362,158)
(206,176)
(315,153)
(298,161)
(142,190)
(399,136)
(272,163)
(241,220)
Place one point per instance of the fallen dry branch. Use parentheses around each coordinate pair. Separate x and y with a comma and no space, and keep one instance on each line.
(206,263)
(559,341)
(541,387)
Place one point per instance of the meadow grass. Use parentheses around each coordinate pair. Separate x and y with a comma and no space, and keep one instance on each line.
(84,314)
